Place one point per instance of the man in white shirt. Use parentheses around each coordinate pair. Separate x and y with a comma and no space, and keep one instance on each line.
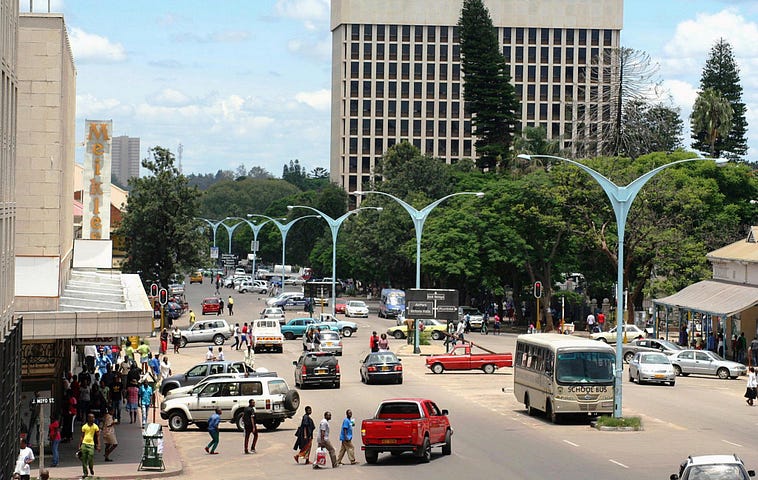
(323,439)
(25,457)
(590,322)
(209,356)
(459,331)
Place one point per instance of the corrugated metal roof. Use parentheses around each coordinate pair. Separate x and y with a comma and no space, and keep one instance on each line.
(711,296)
(742,250)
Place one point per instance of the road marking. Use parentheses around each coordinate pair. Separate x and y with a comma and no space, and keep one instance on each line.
(617,463)
(571,443)
(731,443)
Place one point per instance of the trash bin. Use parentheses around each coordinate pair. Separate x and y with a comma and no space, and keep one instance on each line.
(152,455)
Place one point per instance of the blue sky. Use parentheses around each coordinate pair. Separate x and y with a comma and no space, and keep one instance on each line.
(247,81)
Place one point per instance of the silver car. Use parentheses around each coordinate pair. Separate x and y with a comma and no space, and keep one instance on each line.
(651,367)
(704,362)
(649,345)
(330,341)
(216,331)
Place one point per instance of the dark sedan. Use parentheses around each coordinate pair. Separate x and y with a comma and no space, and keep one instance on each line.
(317,368)
(381,367)
(649,345)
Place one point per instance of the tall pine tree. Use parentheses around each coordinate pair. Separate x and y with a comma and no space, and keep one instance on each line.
(722,74)
(487,89)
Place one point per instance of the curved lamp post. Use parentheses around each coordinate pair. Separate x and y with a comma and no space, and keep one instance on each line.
(418,217)
(256,228)
(621,199)
(214,225)
(334,226)
(284,228)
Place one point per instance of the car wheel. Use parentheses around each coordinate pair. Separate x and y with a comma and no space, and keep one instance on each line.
(336,385)
(628,357)
(347,332)
(289,336)
(272,424)
(639,380)
(631,378)
(238,421)
(371,456)
(489,368)
(177,421)
(400,380)
(425,454)
(723,373)
(602,339)
(436,335)
(672,383)
(447,448)
(183,342)
(677,370)
(438,368)
(363,379)
(218,339)
(398,335)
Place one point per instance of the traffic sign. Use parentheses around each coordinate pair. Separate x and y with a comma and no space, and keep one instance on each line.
(437,303)
(317,289)
(43,400)
(214,252)
(254,245)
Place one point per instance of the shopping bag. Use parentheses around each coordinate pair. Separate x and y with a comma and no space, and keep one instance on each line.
(321,457)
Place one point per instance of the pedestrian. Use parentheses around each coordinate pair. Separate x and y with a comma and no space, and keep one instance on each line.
(24,459)
(165,368)
(103,363)
(248,419)
(373,342)
(230,305)
(176,339)
(754,350)
(117,396)
(109,434)
(243,336)
(218,284)
(191,317)
(601,321)
(90,354)
(213,432)
(383,343)
(209,356)
(236,336)
(89,442)
(323,439)
(250,357)
(164,341)
(132,400)
(741,347)
(591,323)
(143,351)
(145,399)
(55,437)
(752,386)
(220,354)
(460,330)
(155,365)
(346,439)
(304,436)
(497,324)
(220,307)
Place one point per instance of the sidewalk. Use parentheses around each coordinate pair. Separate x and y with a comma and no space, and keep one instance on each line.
(126,458)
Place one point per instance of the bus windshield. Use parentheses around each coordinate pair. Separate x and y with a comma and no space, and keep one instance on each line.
(584,367)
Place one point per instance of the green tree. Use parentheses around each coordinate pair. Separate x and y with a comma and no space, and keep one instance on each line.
(159,226)
(722,74)
(712,116)
(650,128)
(488,91)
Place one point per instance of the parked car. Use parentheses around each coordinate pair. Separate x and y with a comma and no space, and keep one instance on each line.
(317,368)
(216,331)
(210,305)
(287,299)
(256,286)
(215,376)
(296,327)
(196,374)
(381,367)
(274,402)
(437,328)
(406,425)
(712,466)
(330,341)
(173,310)
(649,345)
(653,367)
(632,332)
(275,313)
(476,318)
(462,358)
(340,306)
(356,308)
(196,277)
(703,362)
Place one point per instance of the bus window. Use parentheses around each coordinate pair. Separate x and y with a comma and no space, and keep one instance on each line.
(585,367)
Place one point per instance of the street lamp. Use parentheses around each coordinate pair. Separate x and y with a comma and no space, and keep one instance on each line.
(256,228)
(418,217)
(621,199)
(334,226)
(214,225)
(284,228)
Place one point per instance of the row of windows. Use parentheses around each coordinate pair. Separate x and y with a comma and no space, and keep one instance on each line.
(517,35)
(433,109)
(456,147)
(378,127)
(532,357)
(377,71)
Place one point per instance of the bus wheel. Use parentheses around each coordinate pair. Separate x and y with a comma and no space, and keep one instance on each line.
(529,409)
(550,412)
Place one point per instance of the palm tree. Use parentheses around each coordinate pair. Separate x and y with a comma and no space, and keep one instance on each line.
(712,114)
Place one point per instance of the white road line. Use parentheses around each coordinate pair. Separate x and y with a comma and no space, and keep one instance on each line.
(731,443)
(617,463)
(571,443)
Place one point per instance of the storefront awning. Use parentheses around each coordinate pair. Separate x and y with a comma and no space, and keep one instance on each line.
(714,297)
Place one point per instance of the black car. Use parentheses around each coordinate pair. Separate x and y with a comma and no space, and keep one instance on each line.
(317,368)
(381,367)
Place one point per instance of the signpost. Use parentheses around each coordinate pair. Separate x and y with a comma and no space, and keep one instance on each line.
(214,253)
(40,401)
(318,290)
(229,260)
(438,303)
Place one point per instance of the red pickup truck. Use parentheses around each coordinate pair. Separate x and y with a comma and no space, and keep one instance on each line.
(461,358)
(406,425)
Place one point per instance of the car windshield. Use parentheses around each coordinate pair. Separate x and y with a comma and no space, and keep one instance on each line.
(585,367)
(357,303)
(382,358)
(670,345)
(720,472)
(657,358)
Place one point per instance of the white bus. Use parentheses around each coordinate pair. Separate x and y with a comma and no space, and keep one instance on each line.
(562,374)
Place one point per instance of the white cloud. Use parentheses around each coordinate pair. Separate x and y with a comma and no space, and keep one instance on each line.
(318,100)
(312,47)
(88,106)
(169,97)
(93,48)
(310,12)
(694,38)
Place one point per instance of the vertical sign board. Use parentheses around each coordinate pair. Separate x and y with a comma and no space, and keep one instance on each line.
(96,219)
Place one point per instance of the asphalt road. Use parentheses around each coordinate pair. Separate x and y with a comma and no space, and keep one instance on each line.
(493,435)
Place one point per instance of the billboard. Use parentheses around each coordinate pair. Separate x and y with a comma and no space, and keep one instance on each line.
(96,215)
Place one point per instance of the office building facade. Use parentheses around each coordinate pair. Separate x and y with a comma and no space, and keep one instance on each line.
(125,158)
(396,75)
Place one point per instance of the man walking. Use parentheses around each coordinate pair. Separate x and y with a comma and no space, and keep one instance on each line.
(753,349)
(220,307)
(323,440)
(230,305)
(346,438)
(248,418)
(145,399)
(213,432)
(143,351)
(24,459)
(88,444)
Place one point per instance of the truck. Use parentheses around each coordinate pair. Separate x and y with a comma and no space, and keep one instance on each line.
(346,328)
(406,425)
(461,358)
(267,335)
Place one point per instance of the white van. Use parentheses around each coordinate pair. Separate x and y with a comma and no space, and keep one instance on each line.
(267,335)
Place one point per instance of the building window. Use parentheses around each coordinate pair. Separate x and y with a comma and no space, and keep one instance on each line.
(380,33)
(406,71)
(456,71)
(556,54)
(366,127)
(443,53)
(378,148)
(378,127)
(393,33)
(393,70)
(380,51)
(429,109)
(417,128)
(353,126)
(454,147)
(607,38)
(519,36)
(456,35)
(406,52)
(404,128)
(366,69)
(557,35)
(391,127)
(443,71)
(430,88)
(379,70)
(418,52)
(442,109)
(418,71)
(405,89)
(519,54)
(366,146)
(366,89)
(543,111)
(441,147)
(456,53)
(430,36)
(367,51)
(569,54)
(545,36)
(406,33)
(417,109)
(379,108)
(507,53)
(455,109)
(430,53)
(455,131)
(429,147)
(354,106)
(354,69)
(354,88)
(531,73)
(418,33)
(367,31)
(532,55)
(355,51)
(429,126)
(507,35)
(569,37)
(582,37)
(404,105)
(392,108)
(443,35)
(393,51)
(532,36)
(443,90)
(355,32)
(393,89)
(353,146)
(367,108)
(519,76)
(456,91)
(530,92)
(442,128)
(467,148)
(379,89)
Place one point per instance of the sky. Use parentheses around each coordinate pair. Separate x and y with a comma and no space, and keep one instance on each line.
(247,82)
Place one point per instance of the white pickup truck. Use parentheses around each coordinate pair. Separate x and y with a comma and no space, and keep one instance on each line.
(267,335)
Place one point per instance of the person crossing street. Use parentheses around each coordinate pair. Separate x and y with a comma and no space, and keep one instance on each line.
(346,439)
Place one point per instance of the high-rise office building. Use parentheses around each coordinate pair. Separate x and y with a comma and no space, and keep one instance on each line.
(125,157)
(396,74)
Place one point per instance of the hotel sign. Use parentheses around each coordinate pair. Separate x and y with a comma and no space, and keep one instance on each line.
(96,217)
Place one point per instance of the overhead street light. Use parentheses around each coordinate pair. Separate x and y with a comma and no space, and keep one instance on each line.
(334,226)
(256,228)
(621,199)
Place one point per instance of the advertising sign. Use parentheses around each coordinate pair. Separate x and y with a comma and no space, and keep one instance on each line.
(96,216)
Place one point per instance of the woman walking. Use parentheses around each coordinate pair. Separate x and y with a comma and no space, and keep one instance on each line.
(132,397)
(752,386)
(305,437)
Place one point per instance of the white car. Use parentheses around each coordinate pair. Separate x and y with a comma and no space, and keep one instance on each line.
(653,367)
(632,332)
(356,308)
(256,286)
(275,313)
